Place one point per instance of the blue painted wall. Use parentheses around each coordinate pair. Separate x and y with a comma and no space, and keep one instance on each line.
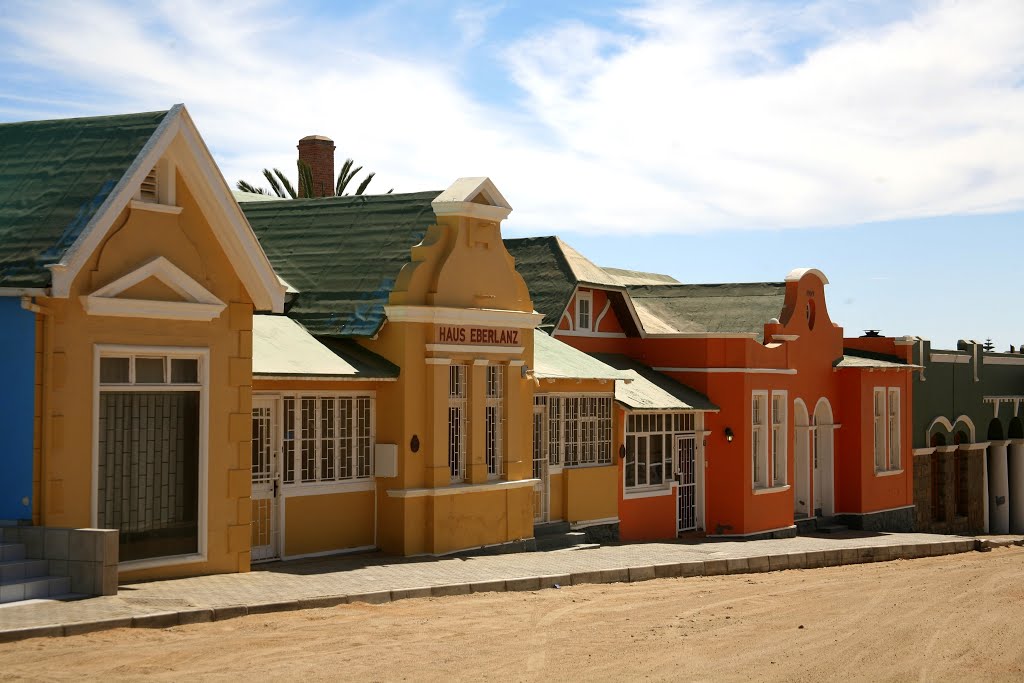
(17,374)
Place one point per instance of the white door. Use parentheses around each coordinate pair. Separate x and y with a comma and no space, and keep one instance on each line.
(686,468)
(540,467)
(265,482)
(815,447)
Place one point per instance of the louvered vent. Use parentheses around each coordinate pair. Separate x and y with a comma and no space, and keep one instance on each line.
(150,191)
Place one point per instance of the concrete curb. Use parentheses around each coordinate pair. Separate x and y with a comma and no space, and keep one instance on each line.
(711,567)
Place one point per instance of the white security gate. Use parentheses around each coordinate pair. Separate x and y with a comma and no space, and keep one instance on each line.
(815,450)
(265,483)
(686,458)
(540,467)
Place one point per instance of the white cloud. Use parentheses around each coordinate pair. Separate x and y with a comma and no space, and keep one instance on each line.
(686,117)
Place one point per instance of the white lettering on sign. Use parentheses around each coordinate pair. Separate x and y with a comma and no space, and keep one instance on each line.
(450,334)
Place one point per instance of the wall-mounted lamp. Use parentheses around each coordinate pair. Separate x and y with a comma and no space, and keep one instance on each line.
(524,371)
(728,434)
(622,451)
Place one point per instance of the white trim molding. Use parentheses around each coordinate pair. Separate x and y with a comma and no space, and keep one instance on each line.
(440,315)
(474,348)
(957,358)
(797,274)
(197,304)
(1003,360)
(457,489)
(771,489)
(472,198)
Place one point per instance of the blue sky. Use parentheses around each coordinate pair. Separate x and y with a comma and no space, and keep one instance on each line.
(716,141)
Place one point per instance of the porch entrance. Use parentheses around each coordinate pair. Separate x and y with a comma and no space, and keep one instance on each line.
(540,467)
(686,468)
(266,483)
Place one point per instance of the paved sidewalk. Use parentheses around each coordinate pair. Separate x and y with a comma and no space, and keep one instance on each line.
(376,578)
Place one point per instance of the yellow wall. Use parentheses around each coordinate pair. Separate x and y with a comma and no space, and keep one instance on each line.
(591,493)
(70,334)
(322,523)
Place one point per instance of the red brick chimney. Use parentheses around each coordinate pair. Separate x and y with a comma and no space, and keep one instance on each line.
(318,152)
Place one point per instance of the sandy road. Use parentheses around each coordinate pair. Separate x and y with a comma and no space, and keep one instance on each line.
(958,617)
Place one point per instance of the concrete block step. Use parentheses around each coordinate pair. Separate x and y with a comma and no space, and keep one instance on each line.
(550,529)
(16,570)
(34,588)
(11,551)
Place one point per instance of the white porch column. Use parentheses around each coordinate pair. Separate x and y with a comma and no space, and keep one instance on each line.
(1016,485)
(998,488)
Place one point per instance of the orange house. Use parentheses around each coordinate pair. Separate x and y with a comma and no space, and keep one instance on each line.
(786,421)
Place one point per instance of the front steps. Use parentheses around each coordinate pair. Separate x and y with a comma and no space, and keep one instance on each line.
(559,536)
(22,579)
(818,525)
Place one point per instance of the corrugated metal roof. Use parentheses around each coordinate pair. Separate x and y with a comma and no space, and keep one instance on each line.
(281,347)
(553,359)
(342,254)
(739,308)
(548,276)
(651,390)
(255,197)
(54,176)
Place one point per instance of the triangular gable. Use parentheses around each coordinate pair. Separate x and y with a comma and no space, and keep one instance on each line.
(474,197)
(197,302)
(178,139)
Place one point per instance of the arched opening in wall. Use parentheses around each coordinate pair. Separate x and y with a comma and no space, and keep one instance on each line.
(995,430)
(824,471)
(960,474)
(801,460)
(810,311)
(1015,429)
(937,440)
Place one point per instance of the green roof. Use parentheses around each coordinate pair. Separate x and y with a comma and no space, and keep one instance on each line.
(639,277)
(342,254)
(54,177)
(741,308)
(651,390)
(281,347)
(548,275)
(553,359)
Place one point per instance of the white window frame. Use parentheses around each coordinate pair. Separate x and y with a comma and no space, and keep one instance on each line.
(888,443)
(569,429)
(202,355)
(759,417)
(457,437)
(780,438)
(588,298)
(494,419)
(879,411)
(668,433)
(298,484)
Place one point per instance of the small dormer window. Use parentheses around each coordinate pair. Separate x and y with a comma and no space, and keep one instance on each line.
(150,189)
(584,306)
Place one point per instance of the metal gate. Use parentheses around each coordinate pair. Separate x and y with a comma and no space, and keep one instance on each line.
(540,467)
(265,483)
(686,455)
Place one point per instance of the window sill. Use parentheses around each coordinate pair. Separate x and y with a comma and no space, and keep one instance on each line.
(583,466)
(771,489)
(322,488)
(887,473)
(648,491)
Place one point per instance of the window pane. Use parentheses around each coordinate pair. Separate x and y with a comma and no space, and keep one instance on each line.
(184,371)
(149,370)
(114,370)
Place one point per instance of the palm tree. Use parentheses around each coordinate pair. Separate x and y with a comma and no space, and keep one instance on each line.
(282,187)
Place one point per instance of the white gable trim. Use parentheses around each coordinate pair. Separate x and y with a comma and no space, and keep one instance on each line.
(211,192)
(200,304)
(457,200)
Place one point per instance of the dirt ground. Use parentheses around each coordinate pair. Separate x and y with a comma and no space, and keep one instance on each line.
(959,617)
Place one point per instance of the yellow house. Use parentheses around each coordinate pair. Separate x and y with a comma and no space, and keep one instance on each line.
(394,405)
(143,275)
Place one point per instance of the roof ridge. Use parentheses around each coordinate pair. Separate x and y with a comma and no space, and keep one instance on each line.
(73,119)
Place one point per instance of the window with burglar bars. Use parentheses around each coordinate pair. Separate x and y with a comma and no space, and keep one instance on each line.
(759,438)
(650,444)
(579,430)
(779,469)
(457,421)
(879,418)
(494,416)
(327,438)
(894,428)
(148,427)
